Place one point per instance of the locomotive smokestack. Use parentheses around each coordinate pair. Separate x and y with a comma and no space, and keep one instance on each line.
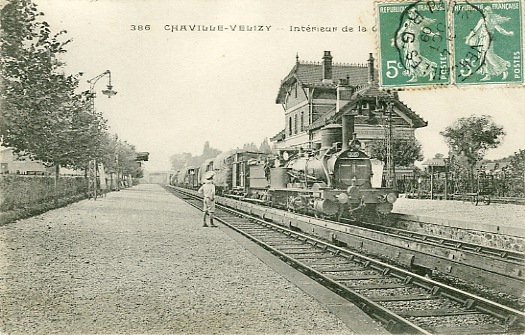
(348,130)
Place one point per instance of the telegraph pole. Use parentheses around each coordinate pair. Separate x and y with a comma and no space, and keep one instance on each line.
(390,165)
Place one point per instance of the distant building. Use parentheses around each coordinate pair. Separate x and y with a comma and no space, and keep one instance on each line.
(156,177)
(316,94)
(11,163)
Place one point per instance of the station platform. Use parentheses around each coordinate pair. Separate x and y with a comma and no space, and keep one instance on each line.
(139,261)
(497,218)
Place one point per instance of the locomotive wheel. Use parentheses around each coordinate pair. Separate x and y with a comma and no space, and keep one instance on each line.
(383,217)
(289,204)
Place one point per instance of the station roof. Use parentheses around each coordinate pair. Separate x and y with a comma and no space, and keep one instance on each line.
(372,91)
(310,74)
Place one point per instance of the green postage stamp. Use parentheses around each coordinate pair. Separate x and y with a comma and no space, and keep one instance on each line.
(488,47)
(413,44)
(447,42)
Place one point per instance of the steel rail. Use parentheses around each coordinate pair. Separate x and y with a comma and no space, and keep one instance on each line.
(428,254)
(512,318)
(496,253)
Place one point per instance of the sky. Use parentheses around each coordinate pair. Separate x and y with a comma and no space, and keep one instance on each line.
(178,89)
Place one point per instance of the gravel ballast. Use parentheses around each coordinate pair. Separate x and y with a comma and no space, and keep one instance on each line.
(139,262)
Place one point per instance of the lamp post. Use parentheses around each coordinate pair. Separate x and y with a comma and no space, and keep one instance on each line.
(109,92)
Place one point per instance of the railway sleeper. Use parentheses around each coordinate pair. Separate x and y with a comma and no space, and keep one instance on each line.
(301,252)
(375,287)
(433,312)
(350,278)
(304,257)
(408,297)
(471,329)
(341,269)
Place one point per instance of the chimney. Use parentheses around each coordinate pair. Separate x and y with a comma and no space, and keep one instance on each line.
(371,69)
(327,67)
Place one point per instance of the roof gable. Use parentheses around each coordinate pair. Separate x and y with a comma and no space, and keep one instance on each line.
(310,74)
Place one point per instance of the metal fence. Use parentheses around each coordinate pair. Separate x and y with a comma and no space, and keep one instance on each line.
(441,184)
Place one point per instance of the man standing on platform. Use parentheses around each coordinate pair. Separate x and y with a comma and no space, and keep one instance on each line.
(208,190)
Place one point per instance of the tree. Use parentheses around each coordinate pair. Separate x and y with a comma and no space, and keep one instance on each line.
(126,160)
(469,138)
(41,114)
(517,164)
(405,152)
(265,146)
(250,147)
(178,161)
(209,152)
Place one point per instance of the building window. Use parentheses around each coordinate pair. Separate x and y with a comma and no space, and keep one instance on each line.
(302,121)
(295,89)
(295,123)
(290,129)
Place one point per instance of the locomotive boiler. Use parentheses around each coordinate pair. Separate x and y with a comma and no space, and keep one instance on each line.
(334,180)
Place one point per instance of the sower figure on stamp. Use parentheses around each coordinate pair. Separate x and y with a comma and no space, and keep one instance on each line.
(208,191)
(481,38)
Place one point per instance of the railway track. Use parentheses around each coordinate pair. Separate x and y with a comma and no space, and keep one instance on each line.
(402,301)
(424,254)
(496,253)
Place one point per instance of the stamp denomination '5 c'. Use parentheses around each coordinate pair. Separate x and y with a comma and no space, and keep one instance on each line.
(413,39)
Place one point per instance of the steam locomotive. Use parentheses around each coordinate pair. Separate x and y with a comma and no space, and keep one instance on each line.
(336,180)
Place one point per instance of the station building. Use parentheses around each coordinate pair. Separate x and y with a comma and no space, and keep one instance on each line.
(315,94)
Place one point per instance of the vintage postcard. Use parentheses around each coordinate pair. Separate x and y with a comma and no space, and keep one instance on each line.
(361,106)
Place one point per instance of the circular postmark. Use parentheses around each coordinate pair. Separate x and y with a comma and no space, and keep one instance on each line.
(414,46)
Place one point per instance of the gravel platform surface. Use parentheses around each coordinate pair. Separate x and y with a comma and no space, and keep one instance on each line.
(493,214)
(138,262)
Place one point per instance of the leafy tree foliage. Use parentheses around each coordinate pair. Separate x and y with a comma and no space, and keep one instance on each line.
(209,152)
(41,114)
(126,160)
(250,147)
(517,163)
(265,146)
(119,156)
(405,152)
(181,160)
(468,139)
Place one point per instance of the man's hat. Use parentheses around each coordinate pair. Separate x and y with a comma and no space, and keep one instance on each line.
(209,175)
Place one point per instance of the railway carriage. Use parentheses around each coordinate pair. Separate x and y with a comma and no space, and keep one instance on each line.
(234,173)
(187,177)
